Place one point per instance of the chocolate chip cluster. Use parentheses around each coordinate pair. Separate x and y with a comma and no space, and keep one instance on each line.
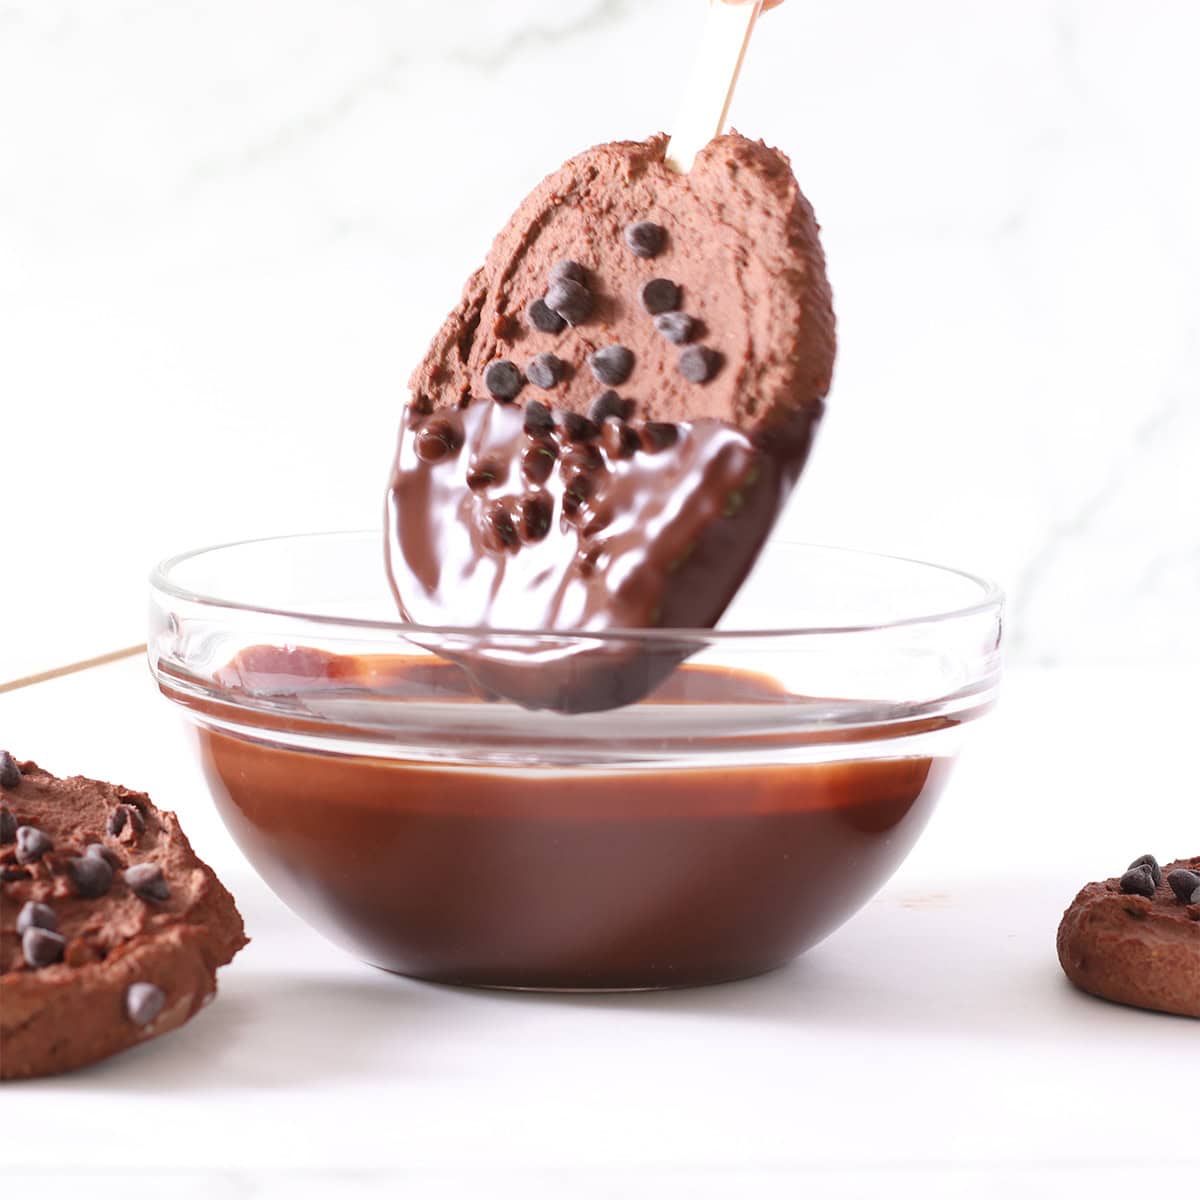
(1144,877)
(91,875)
(568,300)
(582,449)
(663,300)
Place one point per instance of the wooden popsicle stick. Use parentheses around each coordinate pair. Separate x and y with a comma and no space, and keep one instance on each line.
(705,103)
(86,664)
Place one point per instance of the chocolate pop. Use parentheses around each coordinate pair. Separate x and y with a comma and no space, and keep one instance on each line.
(698,305)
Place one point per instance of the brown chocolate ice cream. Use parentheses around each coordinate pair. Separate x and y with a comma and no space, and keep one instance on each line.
(604,432)
(740,243)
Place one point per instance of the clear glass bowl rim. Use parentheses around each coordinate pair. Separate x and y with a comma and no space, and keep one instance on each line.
(991,599)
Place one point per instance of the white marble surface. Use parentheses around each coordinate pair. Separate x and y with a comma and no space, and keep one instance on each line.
(227,230)
(931,1048)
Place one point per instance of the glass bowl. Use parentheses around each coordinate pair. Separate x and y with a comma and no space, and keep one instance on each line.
(715,829)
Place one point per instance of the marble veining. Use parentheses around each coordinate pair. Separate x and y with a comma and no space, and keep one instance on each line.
(233,228)
(522,43)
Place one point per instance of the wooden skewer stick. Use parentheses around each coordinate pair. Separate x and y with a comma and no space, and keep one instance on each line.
(705,104)
(86,664)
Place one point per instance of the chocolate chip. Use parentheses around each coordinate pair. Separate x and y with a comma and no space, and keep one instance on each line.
(10,773)
(578,428)
(538,461)
(580,484)
(660,296)
(571,300)
(607,404)
(35,916)
(96,850)
(537,513)
(659,435)
(698,364)
(42,947)
(1184,884)
(645,238)
(586,561)
(502,530)
(31,844)
(143,1002)
(1148,860)
(538,418)
(568,268)
(543,318)
(126,814)
(597,523)
(14,874)
(91,876)
(8,825)
(676,327)
(585,456)
(503,380)
(436,441)
(545,371)
(612,365)
(619,439)
(146,880)
(1139,881)
(482,476)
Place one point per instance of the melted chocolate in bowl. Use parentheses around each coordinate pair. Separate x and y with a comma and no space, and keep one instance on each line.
(640,876)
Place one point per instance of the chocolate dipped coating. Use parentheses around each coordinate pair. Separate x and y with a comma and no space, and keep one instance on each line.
(629,539)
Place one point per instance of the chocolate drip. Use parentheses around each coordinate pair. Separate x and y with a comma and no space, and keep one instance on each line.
(625,538)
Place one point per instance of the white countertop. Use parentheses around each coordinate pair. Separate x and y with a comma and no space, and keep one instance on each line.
(931,1046)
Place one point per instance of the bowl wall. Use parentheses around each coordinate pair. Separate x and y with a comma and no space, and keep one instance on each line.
(715,829)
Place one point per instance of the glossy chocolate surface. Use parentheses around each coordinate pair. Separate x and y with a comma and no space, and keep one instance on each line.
(582,878)
(505,518)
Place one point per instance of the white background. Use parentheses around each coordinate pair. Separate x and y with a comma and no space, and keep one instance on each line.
(227,230)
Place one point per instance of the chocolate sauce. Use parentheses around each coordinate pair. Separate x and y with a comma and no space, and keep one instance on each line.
(496,521)
(601,878)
